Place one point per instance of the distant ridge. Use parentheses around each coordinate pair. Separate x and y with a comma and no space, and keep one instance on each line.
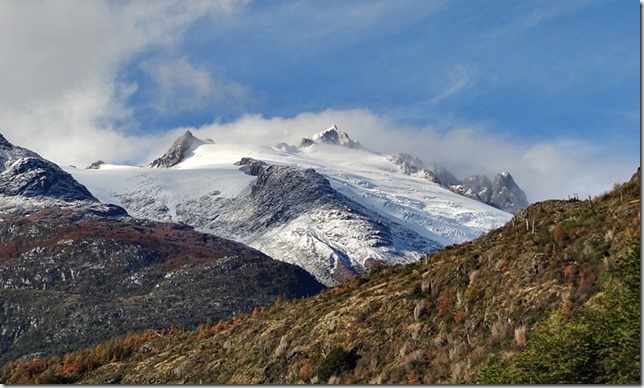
(178,151)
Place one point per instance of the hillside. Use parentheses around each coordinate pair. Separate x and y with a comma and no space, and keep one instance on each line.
(69,279)
(465,314)
(75,272)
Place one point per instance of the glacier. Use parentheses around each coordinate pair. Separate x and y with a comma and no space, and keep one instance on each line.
(333,208)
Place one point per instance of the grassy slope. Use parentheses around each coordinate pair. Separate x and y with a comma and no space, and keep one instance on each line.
(436,321)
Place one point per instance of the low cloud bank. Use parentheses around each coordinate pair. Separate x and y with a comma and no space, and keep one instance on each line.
(544,170)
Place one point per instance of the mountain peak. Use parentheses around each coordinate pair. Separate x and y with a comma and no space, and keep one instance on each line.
(25,173)
(187,135)
(4,143)
(503,193)
(10,153)
(332,136)
(507,194)
(178,151)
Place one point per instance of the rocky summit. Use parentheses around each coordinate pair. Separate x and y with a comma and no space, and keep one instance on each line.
(503,194)
(178,151)
(25,174)
(332,136)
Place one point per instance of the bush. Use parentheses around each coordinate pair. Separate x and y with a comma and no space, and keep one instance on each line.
(336,362)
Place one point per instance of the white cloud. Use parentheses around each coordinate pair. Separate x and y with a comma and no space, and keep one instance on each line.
(545,170)
(184,87)
(459,79)
(59,62)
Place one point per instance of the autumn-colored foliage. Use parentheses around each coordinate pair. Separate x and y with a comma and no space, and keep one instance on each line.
(585,280)
(559,234)
(443,300)
(337,291)
(459,316)
(307,370)
(412,379)
(73,365)
(570,272)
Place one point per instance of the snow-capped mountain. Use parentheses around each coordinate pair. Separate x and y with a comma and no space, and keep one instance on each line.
(503,194)
(409,165)
(179,151)
(329,206)
(25,173)
(29,182)
(507,194)
(332,136)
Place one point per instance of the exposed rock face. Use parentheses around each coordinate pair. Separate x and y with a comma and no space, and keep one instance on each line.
(332,136)
(447,178)
(306,142)
(25,173)
(32,177)
(4,143)
(503,194)
(480,188)
(408,164)
(430,176)
(179,151)
(276,218)
(96,165)
(507,195)
(285,199)
(252,167)
(412,165)
(10,153)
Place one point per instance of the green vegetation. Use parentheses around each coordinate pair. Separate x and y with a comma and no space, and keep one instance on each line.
(600,345)
(336,362)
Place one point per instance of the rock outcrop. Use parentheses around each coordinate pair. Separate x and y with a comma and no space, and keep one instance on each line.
(178,151)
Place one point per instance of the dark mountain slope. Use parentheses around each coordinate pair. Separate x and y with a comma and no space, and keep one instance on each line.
(436,321)
(69,279)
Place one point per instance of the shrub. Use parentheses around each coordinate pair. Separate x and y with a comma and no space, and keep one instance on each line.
(306,370)
(336,361)
(443,300)
(559,354)
(521,336)
(459,316)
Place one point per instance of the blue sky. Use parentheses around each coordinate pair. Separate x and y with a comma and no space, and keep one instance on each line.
(532,69)
(556,80)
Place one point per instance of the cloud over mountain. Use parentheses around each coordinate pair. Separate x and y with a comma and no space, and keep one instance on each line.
(110,80)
